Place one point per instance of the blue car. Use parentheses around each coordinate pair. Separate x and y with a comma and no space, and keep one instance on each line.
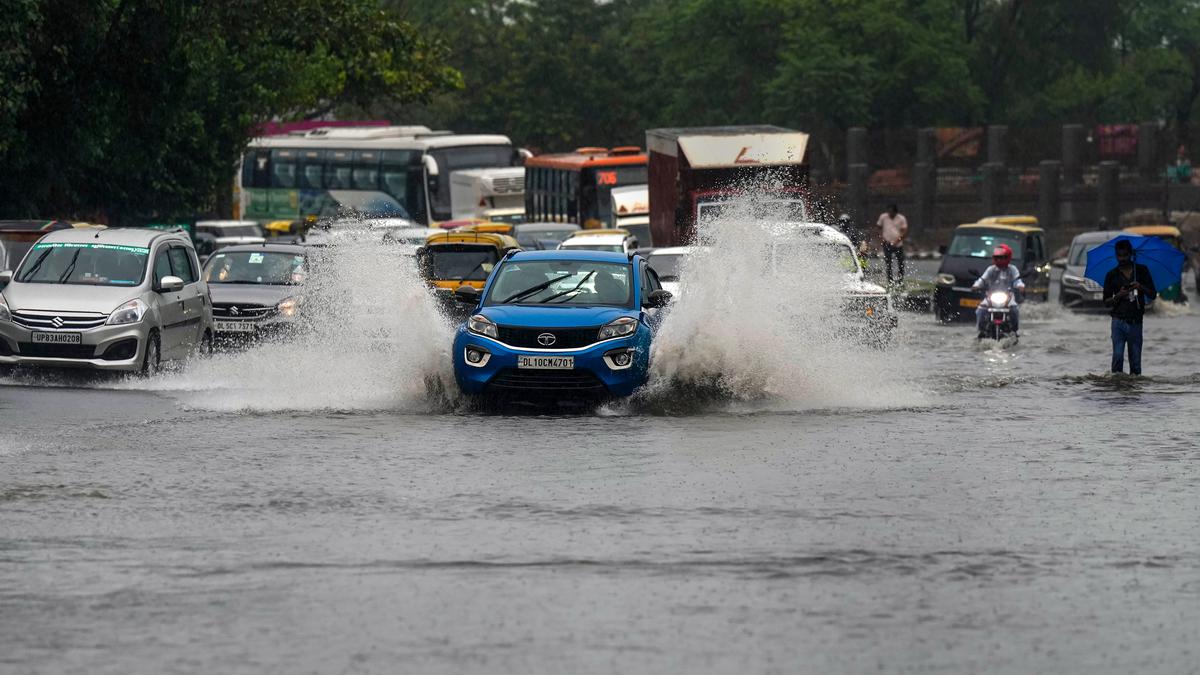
(559,325)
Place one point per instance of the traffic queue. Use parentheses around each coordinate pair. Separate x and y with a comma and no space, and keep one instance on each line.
(560,300)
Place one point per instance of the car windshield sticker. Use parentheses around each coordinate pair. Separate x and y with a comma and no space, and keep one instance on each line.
(256,258)
(136,250)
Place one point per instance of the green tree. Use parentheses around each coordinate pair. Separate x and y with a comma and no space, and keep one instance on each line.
(136,109)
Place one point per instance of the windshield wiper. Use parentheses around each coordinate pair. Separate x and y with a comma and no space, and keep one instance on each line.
(472,271)
(534,289)
(62,278)
(36,264)
(571,290)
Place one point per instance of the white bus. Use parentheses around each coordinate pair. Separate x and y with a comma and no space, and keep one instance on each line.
(401,172)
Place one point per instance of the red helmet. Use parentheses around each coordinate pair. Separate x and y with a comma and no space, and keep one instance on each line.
(1002,255)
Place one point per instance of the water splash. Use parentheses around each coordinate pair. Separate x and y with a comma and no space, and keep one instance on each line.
(763,322)
(371,338)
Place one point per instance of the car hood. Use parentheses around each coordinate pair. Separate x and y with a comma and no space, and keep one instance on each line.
(527,316)
(251,294)
(862,287)
(68,297)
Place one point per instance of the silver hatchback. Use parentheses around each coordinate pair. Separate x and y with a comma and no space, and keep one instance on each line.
(108,299)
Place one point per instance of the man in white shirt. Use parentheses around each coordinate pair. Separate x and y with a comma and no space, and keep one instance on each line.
(893,228)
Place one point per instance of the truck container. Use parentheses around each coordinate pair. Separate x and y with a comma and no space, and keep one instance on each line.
(496,194)
(695,170)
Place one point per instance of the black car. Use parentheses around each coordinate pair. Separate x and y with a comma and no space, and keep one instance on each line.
(970,253)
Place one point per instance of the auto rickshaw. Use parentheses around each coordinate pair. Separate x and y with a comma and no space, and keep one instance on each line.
(457,258)
(1171,235)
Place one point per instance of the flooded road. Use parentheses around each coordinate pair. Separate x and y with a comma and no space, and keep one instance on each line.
(951,508)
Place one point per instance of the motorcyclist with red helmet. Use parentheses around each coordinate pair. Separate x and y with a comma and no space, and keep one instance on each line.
(1001,275)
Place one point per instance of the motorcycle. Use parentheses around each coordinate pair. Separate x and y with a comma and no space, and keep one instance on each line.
(999,316)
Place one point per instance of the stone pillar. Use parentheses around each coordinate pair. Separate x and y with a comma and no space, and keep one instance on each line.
(856,148)
(924,181)
(997,148)
(1148,164)
(1072,155)
(856,195)
(927,146)
(992,188)
(1048,193)
(1108,195)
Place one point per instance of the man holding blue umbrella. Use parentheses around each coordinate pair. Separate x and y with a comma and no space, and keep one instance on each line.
(1128,288)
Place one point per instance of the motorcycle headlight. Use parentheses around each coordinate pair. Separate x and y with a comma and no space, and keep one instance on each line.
(945,279)
(4,313)
(287,308)
(130,312)
(1071,280)
(481,325)
(618,328)
(998,299)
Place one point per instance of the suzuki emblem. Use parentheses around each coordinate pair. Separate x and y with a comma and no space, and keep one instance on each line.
(234,310)
(57,322)
(546,339)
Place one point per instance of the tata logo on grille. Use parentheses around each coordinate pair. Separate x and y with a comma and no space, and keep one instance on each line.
(57,322)
(546,339)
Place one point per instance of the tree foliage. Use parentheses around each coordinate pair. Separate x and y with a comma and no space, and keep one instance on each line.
(132,109)
(557,74)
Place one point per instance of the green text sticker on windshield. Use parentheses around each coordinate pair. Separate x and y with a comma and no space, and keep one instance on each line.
(136,250)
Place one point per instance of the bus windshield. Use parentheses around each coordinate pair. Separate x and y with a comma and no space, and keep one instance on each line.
(84,264)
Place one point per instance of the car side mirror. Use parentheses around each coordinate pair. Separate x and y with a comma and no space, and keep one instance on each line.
(468,295)
(5,276)
(170,285)
(942,249)
(657,298)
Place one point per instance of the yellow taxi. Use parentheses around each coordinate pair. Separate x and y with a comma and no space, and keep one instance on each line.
(970,253)
(1173,236)
(462,258)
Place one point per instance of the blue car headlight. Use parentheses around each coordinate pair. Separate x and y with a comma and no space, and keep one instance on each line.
(618,328)
(481,325)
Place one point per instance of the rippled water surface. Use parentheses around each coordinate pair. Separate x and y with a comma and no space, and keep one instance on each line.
(942,506)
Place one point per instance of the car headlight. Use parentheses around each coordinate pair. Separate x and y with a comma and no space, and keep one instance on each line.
(4,313)
(130,312)
(1072,280)
(619,328)
(945,279)
(481,325)
(998,299)
(287,308)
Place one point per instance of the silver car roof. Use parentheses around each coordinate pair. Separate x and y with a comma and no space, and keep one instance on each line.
(294,249)
(125,236)
(1091,237)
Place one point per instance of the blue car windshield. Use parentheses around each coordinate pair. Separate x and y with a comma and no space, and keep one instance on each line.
(562,282)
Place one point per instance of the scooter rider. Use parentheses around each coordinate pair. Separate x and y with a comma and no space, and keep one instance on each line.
(1001,275)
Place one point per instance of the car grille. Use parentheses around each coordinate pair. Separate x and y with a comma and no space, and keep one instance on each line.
(53,351)
(43,320)
(564,338)
(225,310)
(578,381)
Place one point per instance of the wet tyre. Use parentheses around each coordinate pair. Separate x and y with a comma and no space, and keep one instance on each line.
(152,356)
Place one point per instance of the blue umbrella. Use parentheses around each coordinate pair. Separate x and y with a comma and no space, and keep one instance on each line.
(1164,261)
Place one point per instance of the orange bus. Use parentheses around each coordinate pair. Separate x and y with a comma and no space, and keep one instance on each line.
(575,187)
